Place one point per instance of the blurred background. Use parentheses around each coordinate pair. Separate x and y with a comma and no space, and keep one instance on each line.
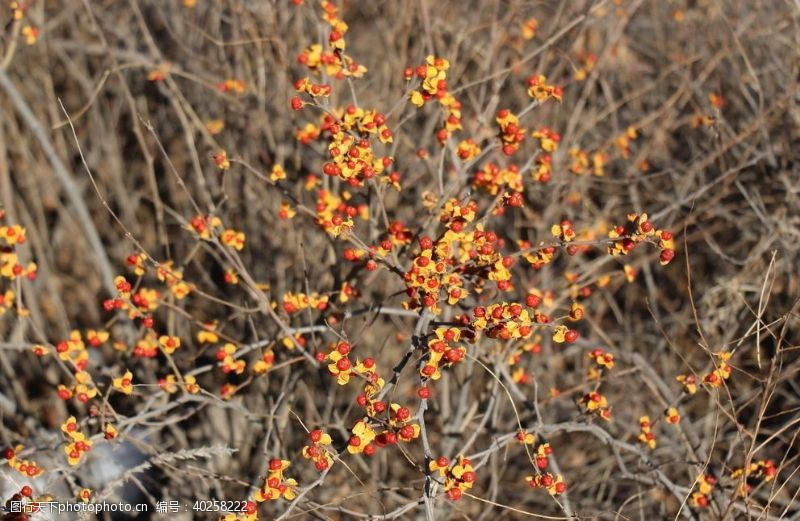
(687,110)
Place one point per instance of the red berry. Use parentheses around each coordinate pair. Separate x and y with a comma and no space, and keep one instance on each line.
(26,491)
(571,336)
(667,255)
(343,364)
(453,355)
(403,413)
(532,301)
(9,453)
(407,432)
(330,169)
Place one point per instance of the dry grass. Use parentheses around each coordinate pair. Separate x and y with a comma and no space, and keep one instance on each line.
(139,166)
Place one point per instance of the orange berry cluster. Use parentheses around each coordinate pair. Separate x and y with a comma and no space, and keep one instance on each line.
(443,351)
(672,416)
(595,403)
(361,437)
(554,484)
(428,276)
(352,158)
(10,265)
(492,179)
(601,358)
(24,466)
(83,388)
(539,257)
(548,139)
(73,350)
(511,134)
(296,302)
(433,86)
(458,477)
(761,471)
(468,149)
(459,255)
(335,216)
(315,90)
(705,486)
(689,383)
(230,85)
(333,64)
(722,372)
(504,321)
(639,229)
(400,420)
(173,278)
(275,485)
(78,444)
(543,452)
(139,304)
(227,361)
(317,451)
(646,434)
(541,91)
